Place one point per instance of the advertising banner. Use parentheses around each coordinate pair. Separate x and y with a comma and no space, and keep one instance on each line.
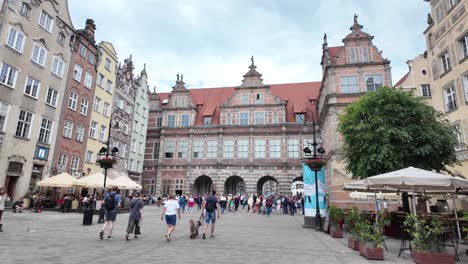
(309,191)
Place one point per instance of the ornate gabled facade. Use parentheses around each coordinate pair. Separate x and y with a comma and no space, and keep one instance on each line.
(349,71)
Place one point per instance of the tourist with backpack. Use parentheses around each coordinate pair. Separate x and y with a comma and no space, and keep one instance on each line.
(112,201)
(211,206)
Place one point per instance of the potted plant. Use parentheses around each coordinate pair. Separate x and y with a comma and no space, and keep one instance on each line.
(336,216)
(315,164)
(106,162)
(351,220)
(371,237)
(428,239)
(465,229)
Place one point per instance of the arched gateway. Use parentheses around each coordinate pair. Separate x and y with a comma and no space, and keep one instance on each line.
(267,185)
(202,185)
(234,185)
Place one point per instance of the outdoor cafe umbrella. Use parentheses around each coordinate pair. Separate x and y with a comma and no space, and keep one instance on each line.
(61,180)
(95,180)
(122,181)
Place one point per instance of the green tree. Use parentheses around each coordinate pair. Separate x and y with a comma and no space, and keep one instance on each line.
(389,129)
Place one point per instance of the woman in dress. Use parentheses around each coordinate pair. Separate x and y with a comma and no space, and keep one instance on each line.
(191,204)
(170,211)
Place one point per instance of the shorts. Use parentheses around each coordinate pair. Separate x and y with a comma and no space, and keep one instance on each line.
(111,215)
(171,219)
(210,216)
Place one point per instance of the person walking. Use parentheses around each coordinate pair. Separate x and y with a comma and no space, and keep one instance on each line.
(112,201)
(278,205)
(222,203)
(250,203)
(236,203)
(199,202)
(268,205)
(191,203)
(3,198)
(136,216)
(182,202)
(211,206)
(170,211)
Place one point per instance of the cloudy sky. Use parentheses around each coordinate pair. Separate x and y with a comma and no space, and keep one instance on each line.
(211,41)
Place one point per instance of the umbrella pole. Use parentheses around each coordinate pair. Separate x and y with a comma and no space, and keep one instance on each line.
(456,216)
(414,201)
(375,201)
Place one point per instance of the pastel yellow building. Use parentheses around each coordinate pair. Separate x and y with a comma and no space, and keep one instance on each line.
(102,105)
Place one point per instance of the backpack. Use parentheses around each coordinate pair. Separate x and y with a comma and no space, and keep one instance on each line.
(109,202)
(210,204)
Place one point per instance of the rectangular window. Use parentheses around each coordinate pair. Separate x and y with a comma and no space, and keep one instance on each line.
(184,122)
(82,51)
(120,103)
(15,39)
(352,55)
(88,81)
(243,149)
(75,163)
(300,118)
(169,149)
(212,149)
(182,149)
(68,129)
(62,160)
(138,166)
(61,39)
(244,119)
(102,133)
(228,119)
(79,133)
(97,104)
(275,117)
(8,75)
(365,54)
(445,61)
(100,80)
(46,21)
(260,148)
(92,129)
(459,136)
(451,4)
(72,100)
(450,98)
(32,87)
(23,127)
(245,99)
(373,82)
(440,13)
(130,165)
(90,58)
(46,129)
(89,156)
(39,54)
(159,122)
(426,90)
(274,148)
(77,72)
(293,148)
(463,43)
(259,99)
(52,97)
(4,107)
(207,121)
(156,150)
(171,120)
(465,86)
(25,10)
(198,149)
(57,66)
(135,127)
(259,118)
(108,64)
(126,129)
(349,84)
(133,145)
(84,107)
(105,110)
(228,149)
(140,148)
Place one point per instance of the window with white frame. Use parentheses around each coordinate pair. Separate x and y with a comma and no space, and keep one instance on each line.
(293,148)
(130,165)
(260,148)
(243,149)
(90,57)
(445,61)
(45,130)
(451,4)
(156,150)
(72,100)
(463,43)
(228,149)
(75,163)
(182,149)
(8,75)
(352,55)
(133,146)
(25,10)
(171,120)
(274,147)
(15,39)
(52,97)
(450,98)
(349,84)
(57,66)
(207,120)
(275,118)
(46,21)
(198,149)
(62,160)
(136,127)
(440,13)
(212,149)
(259,118)
(158,121)
(169,149)
(373,82)
(138,166)
(88,81)
(465,86)
(245,99)
(82,51)
(84,107)
(426,90)
(97,104)
(4,107)
(365,54)
(105,110)
(89,157)
(140,148)
(23,127)
(92,129)
(108,64)
(79,133)
(32,87)
(77,70)
(61,39)
(228,119)
(100,79)
(460,144)
(244,119)
(102,133)
(120,103)
(259,98)
(39,54)
(68,129)
(184,121)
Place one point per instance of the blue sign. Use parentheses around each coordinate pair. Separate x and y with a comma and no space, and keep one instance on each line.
(309,191)
(42,153)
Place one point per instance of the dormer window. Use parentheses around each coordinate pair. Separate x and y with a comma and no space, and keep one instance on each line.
(259,99)
(245,99)
(25,10)
(165,101)
(207,121)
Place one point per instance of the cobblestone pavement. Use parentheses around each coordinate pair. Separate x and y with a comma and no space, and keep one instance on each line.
(53,237)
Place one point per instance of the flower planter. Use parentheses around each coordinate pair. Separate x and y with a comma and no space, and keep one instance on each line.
(353,243)
(371,252)
(106,163)
(315,164)
(336,233)
(432,258)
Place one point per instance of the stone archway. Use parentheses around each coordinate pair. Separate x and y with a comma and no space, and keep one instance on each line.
(267,185)
(297,185)
(202,185)
(234,185)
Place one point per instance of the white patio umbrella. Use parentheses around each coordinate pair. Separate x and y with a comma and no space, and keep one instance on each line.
(95,180)
(60,180)
(123,181)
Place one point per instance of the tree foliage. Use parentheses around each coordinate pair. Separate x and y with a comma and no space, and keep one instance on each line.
(389,129)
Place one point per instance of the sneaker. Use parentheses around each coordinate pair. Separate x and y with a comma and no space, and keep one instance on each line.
(109,238)
(127,238)
(211,236)
(101,235)
(204,237)
(135,237)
